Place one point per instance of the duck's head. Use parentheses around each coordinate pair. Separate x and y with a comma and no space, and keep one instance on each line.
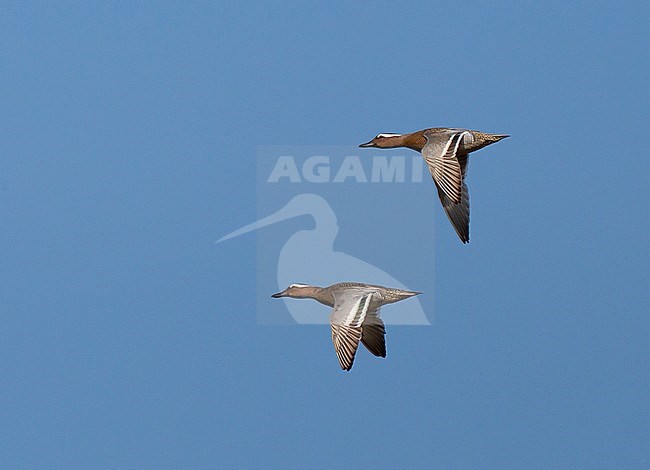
(385,140)
(295,290)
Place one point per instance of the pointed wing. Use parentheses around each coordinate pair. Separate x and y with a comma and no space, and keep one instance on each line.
(373,333)
(458,214)
(440,154)
(346,320)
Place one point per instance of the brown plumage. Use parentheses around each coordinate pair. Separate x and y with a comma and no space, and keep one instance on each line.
(355,314)
(446,152)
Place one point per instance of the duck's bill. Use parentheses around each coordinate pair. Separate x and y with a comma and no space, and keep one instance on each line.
(367,144)
(278,295)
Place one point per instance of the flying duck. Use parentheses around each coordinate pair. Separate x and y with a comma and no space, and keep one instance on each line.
(355,314)
(446,151)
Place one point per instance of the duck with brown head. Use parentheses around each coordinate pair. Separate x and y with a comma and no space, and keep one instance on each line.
(413,141)
(446,151)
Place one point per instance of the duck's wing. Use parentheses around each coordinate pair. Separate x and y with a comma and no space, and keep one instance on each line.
(440,153)
(458,214)
(347,318)
(373,333)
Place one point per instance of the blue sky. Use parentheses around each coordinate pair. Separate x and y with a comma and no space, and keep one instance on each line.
(128,339)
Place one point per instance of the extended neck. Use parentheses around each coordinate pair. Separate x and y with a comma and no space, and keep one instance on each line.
(319,294)
(414,141)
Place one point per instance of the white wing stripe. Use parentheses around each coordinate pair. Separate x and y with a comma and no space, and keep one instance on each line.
(353,312)
(364,311)
(446,168)
(446,149)
(358,312)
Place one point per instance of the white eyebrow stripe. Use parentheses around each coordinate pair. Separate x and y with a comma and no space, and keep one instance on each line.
(389,135)
(298,285)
